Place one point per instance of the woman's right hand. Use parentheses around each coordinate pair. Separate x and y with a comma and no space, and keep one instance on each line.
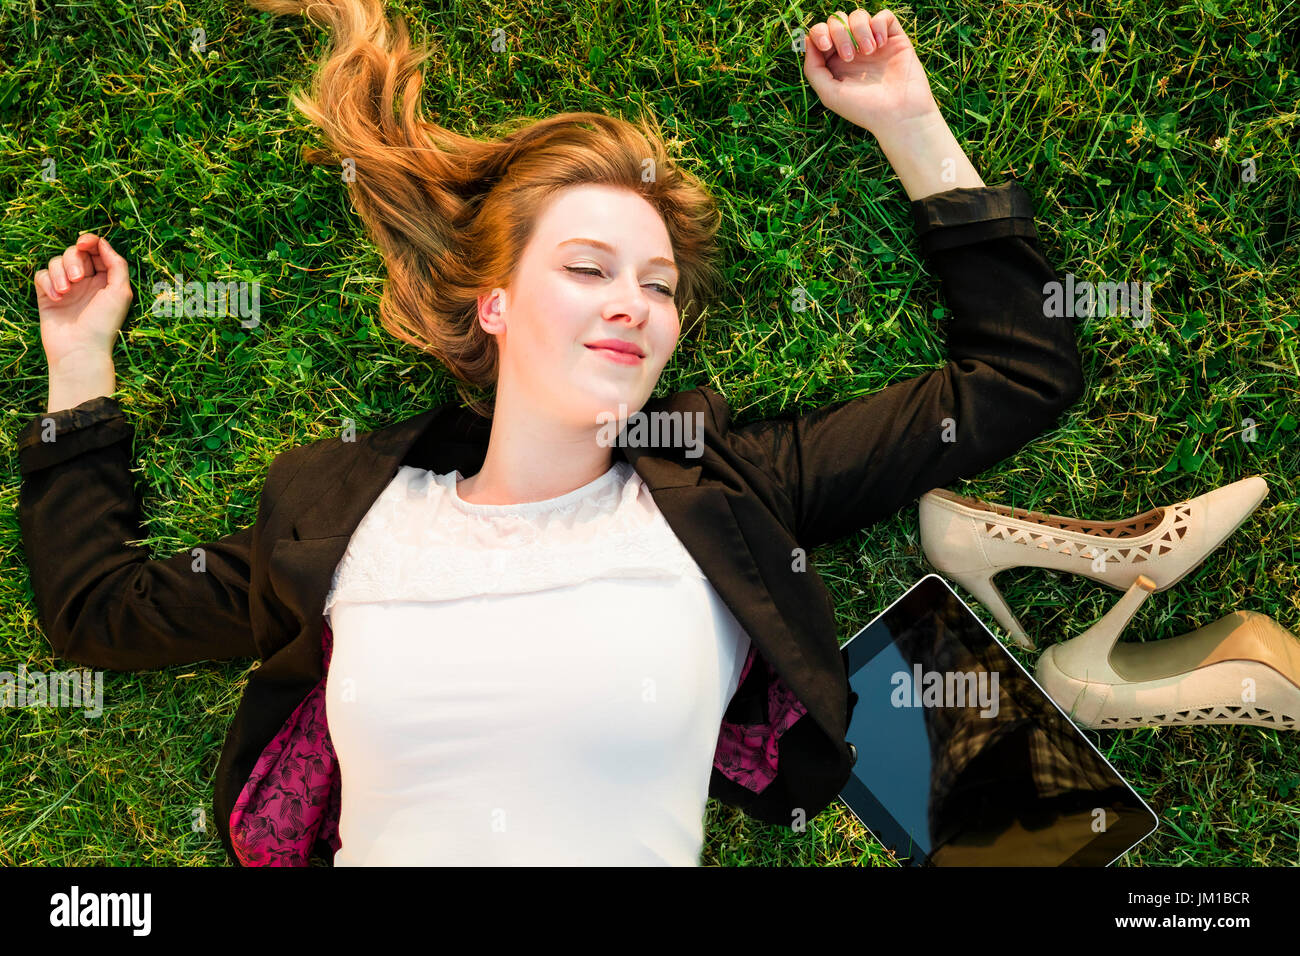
(83,298)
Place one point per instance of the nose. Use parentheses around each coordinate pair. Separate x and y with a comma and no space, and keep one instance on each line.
(629,303)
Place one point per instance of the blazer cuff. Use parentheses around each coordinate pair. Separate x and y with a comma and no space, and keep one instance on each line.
(95,423)
(960,216)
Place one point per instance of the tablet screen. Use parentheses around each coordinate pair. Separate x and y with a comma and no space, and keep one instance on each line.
(963,760)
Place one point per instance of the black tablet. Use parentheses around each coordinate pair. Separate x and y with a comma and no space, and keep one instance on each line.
(963,760)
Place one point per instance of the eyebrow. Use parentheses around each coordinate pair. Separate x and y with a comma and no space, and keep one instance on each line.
(605,246)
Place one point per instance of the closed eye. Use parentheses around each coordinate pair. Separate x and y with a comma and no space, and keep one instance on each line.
(660,287)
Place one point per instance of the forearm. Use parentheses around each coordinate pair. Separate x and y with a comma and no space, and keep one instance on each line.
(927,157)
(1019,364)
(101,599)
(1012,368)
(78,378)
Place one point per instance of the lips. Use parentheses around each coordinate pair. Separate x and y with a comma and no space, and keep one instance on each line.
(617,345)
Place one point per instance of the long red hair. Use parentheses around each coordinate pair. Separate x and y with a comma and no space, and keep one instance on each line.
(452,214)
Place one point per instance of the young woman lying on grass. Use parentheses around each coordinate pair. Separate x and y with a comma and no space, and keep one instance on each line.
(541,647)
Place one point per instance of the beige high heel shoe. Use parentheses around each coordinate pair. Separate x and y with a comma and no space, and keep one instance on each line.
(1242,669)
(970,541)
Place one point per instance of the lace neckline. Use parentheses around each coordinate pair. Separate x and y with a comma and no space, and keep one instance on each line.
(420,542)
(449,481)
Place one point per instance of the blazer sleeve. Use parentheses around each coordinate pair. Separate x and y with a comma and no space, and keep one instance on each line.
(102,601)
(1011,370)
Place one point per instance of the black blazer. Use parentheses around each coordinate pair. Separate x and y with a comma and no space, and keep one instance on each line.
(758,492)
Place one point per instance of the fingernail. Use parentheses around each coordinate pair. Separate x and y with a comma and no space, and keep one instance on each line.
(846,53)
(74,272)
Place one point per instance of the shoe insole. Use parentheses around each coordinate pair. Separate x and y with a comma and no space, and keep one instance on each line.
(1133,527)
(1240,636)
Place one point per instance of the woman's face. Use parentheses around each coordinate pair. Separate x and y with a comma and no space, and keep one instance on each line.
(599,267)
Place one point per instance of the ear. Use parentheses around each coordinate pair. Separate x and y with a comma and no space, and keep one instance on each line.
(491,309)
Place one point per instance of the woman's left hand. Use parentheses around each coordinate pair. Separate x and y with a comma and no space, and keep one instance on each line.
(879,83)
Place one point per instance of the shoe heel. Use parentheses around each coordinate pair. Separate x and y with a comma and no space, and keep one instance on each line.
(1089,653)
(980,584)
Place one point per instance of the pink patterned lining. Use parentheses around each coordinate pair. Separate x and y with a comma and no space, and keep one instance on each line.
(747,753)
(292,798)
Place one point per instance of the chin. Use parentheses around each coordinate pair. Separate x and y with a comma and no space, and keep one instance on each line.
(600,408)
(608,394)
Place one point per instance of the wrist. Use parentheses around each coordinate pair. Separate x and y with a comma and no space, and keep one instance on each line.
(926,156)
(911,130)
(79,377)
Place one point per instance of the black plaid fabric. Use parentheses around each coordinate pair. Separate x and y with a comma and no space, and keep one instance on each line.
(976,759)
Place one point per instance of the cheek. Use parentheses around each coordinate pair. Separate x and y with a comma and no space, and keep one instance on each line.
(554,316)
(566,309)
(671,333)
(665,345)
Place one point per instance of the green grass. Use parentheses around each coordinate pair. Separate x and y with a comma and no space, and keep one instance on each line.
(1133,156)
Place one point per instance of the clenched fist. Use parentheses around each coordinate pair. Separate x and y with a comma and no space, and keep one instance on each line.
(864,69)
(83,298)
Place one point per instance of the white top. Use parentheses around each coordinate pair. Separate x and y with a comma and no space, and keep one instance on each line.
(529,684)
